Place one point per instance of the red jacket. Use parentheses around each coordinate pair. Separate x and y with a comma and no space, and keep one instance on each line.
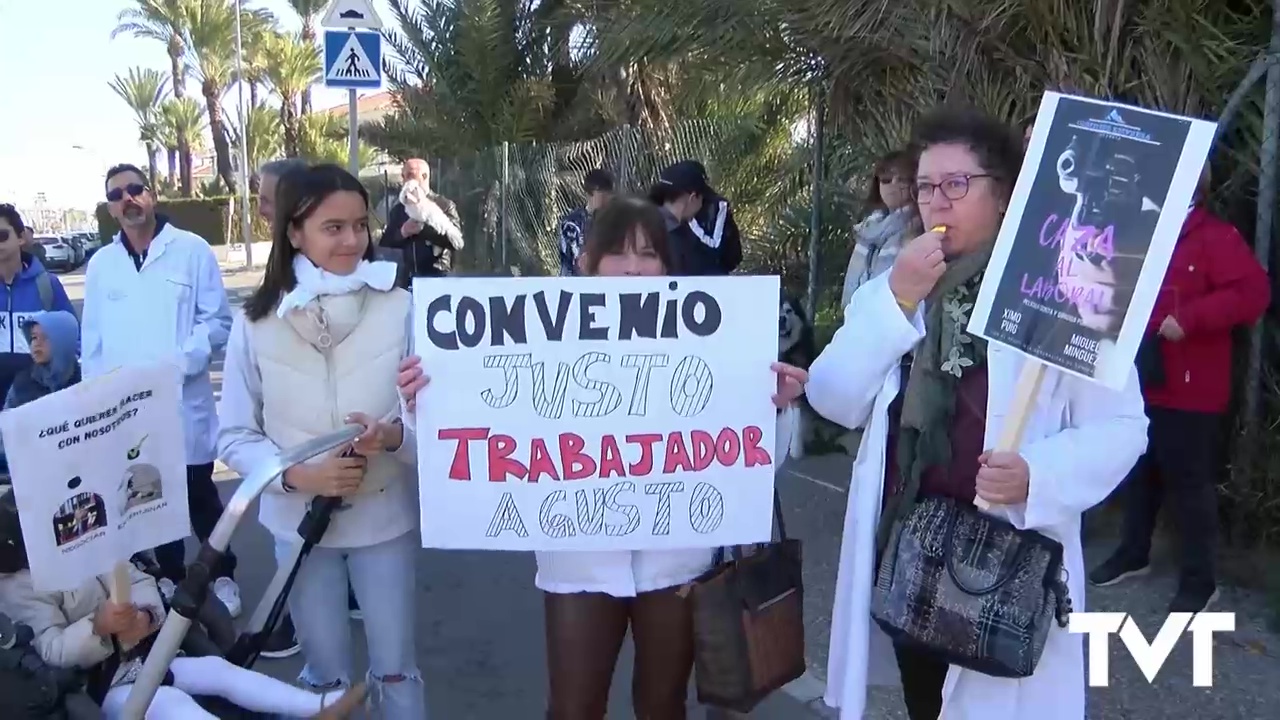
(1213,285)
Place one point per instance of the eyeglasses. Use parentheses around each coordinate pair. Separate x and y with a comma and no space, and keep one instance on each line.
(953,188)
(134,190)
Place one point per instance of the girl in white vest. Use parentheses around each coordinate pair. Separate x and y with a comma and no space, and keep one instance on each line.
(592,597)
(318,346)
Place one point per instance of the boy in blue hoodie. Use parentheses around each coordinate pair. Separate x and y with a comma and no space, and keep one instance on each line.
(53,338)
(27,289)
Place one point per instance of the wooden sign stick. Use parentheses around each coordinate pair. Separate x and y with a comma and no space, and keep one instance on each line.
(121,584)
(1020,407)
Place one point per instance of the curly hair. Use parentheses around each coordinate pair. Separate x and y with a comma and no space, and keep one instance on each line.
(10,214)
(993,142)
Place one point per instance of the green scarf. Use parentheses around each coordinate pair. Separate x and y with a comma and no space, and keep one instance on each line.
(928,401)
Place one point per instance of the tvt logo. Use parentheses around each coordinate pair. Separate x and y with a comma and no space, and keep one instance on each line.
(1151,656)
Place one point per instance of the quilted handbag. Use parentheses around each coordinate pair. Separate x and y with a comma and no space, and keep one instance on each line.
(970,588)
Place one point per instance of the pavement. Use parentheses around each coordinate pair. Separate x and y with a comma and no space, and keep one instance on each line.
(481,648)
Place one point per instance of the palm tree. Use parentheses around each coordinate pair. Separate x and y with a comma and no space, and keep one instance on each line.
(293,66)
(184,117)
(323,138)
(166,137)
(166,22)
(308,10)
(262,129)
(211,37)
(142,89)
(475,73)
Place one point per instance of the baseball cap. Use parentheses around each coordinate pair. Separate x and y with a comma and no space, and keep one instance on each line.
(686,176)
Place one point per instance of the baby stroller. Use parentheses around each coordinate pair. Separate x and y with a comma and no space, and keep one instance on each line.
(216,635)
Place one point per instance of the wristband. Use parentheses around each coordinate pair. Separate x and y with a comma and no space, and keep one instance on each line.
(908,307)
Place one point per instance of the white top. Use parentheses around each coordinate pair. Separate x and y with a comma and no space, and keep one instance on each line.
(244,445)
(173,309)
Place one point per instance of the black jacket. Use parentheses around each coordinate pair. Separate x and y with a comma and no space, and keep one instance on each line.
(429,253)
(695,250)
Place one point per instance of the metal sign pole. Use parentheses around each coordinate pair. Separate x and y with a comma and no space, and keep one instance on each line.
(353,132)
(246,226)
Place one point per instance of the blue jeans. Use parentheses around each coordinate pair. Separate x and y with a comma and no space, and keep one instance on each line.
(383,577)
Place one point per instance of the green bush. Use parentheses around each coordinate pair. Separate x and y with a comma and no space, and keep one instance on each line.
(210,217)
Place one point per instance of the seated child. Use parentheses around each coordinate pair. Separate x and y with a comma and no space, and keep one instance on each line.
(83,629)
(54,337)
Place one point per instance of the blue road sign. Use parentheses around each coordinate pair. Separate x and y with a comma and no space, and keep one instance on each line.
(352,59)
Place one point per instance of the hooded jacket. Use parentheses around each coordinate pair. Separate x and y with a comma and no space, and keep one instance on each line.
(20,300)
(1212,286)
(63,369)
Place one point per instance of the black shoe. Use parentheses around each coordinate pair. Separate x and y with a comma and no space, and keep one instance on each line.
(1118,567)
(1194,599)
(352,607)
(283,642)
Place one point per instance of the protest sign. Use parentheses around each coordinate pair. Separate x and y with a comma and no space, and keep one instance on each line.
(99,472)
(1098,206)
(619,413)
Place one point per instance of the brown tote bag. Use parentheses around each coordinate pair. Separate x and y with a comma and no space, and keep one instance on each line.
(748,622)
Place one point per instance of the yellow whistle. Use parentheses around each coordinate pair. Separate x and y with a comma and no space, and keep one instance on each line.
(939,228)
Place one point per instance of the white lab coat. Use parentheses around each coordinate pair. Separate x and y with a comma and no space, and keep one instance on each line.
(173,309)
(1080,442)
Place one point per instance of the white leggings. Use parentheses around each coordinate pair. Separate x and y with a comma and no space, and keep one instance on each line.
(213,676)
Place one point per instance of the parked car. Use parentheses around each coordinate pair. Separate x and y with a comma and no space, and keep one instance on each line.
(91,241)
(77,247)
(58,253)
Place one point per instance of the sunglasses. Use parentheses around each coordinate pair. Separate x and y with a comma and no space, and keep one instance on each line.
(134,190)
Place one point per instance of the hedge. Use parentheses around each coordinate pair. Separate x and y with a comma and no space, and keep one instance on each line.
(217,219)
(210,217)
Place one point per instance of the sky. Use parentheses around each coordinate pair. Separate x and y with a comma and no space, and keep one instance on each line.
(61,97)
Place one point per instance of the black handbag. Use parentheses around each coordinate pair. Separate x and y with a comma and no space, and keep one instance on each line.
(748,623)
(970,588)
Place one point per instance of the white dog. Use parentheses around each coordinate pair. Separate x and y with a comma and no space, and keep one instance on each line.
(422,209)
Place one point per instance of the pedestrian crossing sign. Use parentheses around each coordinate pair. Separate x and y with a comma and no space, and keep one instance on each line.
(352,59)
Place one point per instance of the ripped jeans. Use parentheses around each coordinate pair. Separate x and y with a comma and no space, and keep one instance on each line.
(383,577)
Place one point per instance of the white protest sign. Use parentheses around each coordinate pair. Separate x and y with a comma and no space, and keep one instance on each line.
(620,413)
(99,472)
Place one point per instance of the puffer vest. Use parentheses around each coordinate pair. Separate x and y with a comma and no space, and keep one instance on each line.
(318,364)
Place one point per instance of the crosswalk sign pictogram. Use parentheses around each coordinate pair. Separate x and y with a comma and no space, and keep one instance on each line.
(352,59)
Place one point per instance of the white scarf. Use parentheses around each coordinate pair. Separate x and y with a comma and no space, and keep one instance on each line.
(314,282)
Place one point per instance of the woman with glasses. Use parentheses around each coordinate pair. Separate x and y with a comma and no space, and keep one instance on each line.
(892,220)
(930,425)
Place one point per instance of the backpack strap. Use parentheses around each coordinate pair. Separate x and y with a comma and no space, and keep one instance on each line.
(44,285)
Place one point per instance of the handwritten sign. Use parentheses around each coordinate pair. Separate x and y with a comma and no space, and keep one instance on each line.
(595,413)
(1081,255)
(99,473)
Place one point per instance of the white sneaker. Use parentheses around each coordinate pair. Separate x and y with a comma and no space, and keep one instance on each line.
(226,590)
(167,588)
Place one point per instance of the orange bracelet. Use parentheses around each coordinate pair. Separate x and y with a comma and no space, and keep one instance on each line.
(906,306)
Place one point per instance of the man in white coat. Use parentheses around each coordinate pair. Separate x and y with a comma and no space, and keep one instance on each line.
(155,293)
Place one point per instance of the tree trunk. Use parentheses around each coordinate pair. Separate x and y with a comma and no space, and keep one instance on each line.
(171,154)
(308,37)
(152,170)
(179,92)
(253,96)
(289,124)
(221,148)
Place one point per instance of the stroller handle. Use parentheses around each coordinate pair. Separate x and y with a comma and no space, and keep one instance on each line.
(174,631)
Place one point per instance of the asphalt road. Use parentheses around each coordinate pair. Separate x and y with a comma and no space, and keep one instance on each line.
(481,649)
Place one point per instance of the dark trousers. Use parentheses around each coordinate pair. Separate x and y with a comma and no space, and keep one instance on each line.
(584,635)
(205,508)
(1180,468)
(923,675)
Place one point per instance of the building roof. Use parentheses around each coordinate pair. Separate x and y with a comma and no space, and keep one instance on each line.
(370,107)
